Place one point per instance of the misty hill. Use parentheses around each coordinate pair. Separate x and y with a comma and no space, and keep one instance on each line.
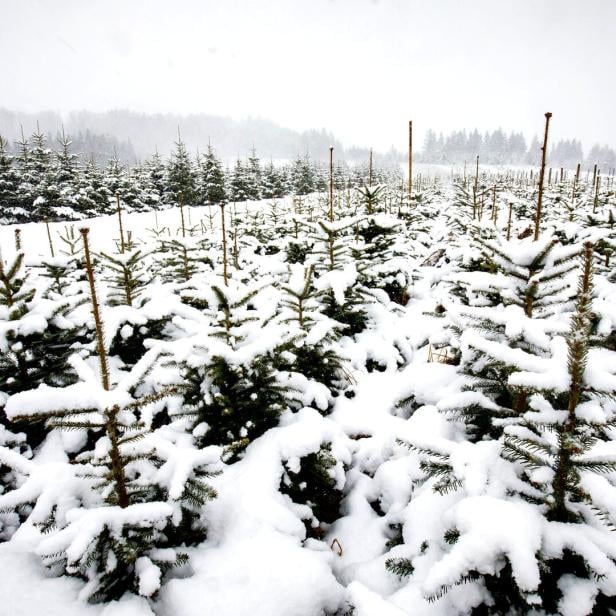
(138,135)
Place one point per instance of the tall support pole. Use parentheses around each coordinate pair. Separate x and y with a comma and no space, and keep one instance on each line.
(119,210)
(224,244)
(98,322)
(476,188)
(181,202)
(370,169)
(410,187)
(331,183)
(544,149)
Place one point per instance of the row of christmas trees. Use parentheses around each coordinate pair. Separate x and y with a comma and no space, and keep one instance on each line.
(147,386)
(174,379)
(40,183)
(521,486)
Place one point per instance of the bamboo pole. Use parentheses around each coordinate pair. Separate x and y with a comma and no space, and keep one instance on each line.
(331,183)
(475,188)
(98,322)
(410,185)
(224,246)
(181,202)
(49,238)
(120,223)
(544,149)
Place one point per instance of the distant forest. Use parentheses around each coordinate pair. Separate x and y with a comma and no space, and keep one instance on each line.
(133,137)
(499,148)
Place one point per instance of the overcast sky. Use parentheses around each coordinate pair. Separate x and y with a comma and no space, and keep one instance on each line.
(361,68)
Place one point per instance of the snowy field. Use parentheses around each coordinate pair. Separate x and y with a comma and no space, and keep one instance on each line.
(420,422)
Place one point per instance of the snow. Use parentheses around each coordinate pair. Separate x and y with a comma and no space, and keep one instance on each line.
(338,281)
(490,527)
(263,553)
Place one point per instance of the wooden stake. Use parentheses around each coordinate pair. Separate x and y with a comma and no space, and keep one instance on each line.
(98,322)
(596,199)
(111,415)
(120,222)
(509,221)
(49,238)
(370,169)
(410,186)
(17,240)
(544,149)
(224,245)
(475,188)
(181,202)
(331,183)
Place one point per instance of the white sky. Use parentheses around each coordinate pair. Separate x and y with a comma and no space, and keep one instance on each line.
(361,68)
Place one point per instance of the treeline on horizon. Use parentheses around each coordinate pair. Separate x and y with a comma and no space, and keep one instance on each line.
(500,148)
(132,137)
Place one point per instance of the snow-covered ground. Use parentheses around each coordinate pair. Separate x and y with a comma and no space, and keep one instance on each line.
(413,362)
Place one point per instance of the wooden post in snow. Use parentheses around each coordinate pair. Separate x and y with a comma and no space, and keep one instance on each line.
(544,149)
(410,186)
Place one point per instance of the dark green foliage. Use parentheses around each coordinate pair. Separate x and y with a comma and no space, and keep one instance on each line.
(317,362)
(15,442)
(34,356)
(253,176)
(232,401)
(237,186)
(123,471)
(13,291)
(40,357)
(181,177)
(240,404)
(296,253)
(569,455)
(371,197)
(346,610)
(302,176)
(395,532)
(402,567)
(272,249)
(313,485)
(126,278)
(124,550)
(180,260)
(351,313)
(9,184)
(273,182)
(552,570)
(378,239)
(372,365)
(63,272)
(436,465)
(505,594)
(211,180)
(129,345)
